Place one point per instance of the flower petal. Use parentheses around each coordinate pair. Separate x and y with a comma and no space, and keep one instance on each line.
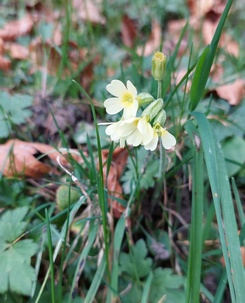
(116,88)
(113,106)
(146,130)
(168,140)
(130,111)
(132,88)
(135,138)
(152,145)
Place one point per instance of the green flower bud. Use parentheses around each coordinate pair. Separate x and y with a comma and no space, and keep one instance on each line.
(160,118)
(153,109)
(144,98)
(159,61)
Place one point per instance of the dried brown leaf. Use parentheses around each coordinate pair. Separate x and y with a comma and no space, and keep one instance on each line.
(154,40)
(89,11)
(17,28)
(119,159)
(129,31)
(18,158)
(232,92)
(17,51)
(5,64)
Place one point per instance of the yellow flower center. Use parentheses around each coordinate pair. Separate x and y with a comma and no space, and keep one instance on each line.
(158,129)
(127,99)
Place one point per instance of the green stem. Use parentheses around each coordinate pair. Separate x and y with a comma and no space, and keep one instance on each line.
(159,89)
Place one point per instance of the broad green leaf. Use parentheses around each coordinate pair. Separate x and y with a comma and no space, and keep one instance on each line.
(234,152)
(11,224)
(166,283)
(136,264)
(17,275)
(13,110)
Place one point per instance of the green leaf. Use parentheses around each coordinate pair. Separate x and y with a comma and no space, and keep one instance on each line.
(16,273)
(136,264)
(150,169)
(205,62)
(234,152)
(13,110)
(199,79)
(165,283)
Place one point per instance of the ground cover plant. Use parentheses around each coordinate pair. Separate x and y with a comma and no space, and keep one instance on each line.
(122,151)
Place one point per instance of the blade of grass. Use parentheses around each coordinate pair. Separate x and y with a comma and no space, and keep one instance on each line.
(205,62)
(224,209)
(118,237)
(101,188)
(83,256)
(96,282)
(59,244)
(50,250)
(238,203)
(196,241)
(147,288)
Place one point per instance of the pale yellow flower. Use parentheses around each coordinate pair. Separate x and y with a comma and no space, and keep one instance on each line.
(168,140)
(135,131)
(125,99)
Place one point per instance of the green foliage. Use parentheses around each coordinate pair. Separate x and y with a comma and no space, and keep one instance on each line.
(136,266)
(142,171)
(14,197)
(166,283)
(234,154)
(17,275)
(13,111)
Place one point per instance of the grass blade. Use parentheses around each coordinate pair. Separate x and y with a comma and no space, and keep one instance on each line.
(196,241)
(118,237)
(96,282)
(205,62)
(224,209)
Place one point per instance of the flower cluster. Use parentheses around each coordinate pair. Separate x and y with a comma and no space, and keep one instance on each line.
(144,130)
(149,127)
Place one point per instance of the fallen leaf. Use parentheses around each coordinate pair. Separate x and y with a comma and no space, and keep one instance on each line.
(17,28)
(88,11)
(129,31)
(37,54)
(199,8)
(119,159)
(232,92)
(5,64)
(208,29)
(154,41)
(20,158)
(17,51)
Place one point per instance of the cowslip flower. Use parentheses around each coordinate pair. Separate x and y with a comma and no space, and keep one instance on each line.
(168,140)
(125,99)
(135,131)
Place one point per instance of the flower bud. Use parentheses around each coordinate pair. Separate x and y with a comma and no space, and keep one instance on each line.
(158,65)
(144,98)
(160,118)
(153,109)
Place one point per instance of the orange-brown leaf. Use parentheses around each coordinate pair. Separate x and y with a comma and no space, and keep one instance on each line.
(20,158)
(17,51)
(232,92)
(5,64)
(119,159)
(129,31)
(154,41)
(17,28)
